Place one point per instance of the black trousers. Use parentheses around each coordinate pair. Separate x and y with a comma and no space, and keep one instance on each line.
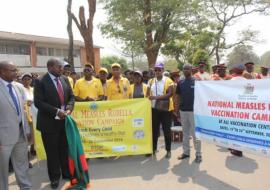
(56,149)
(164,118)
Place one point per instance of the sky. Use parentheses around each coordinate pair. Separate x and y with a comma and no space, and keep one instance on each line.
(49,18)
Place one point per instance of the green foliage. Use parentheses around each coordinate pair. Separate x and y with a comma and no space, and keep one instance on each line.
(242,54)
(187,47)
(128,22)
(182,28)
(109,60)
(171,65)
(200,55)
(265,59)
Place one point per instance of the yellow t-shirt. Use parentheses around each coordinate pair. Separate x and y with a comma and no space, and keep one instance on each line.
(117,91)
(92,89)
(71,82)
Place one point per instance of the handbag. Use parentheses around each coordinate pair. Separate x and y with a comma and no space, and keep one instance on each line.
(162,105)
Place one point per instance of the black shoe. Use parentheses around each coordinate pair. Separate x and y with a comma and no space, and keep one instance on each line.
(33,152)
(66,177)
(183,156)
(30,165)
(236,153)
(10,170)
(153,154)
(198,159)
(168,155)
(55,184)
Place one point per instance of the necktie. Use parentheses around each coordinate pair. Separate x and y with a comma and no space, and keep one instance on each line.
(60,91)
(13,97)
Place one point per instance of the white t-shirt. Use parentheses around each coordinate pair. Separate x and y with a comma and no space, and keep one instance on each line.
(156,88)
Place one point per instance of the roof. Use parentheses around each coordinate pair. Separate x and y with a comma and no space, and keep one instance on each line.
(42,39)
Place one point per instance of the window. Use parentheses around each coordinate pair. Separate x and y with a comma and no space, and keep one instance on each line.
(2,49)
(58,52)
(10,49)
(51,52)
(14,48)
(24,50)
(76,53)
(65,52)
(41,51)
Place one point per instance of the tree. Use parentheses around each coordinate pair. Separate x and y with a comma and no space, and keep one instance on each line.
(86,29)
(145,24)
(70,35)
(109,60)
(224,13)
(139,62)
(200,55)
(242,54)
(190,44)
(130,52)
(171,65)
(265,59)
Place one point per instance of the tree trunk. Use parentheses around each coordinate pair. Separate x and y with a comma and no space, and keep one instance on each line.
(218,43)
(92,11)
(151,57)
(149,49)
(153,43)
(86,30)
(70,35)
(217,52)
(90,56)
(132,60)
(177,58)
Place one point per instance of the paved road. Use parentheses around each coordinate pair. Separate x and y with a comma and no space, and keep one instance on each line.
(218,171)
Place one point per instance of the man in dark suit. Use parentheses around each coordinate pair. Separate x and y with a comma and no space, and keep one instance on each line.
(54,99)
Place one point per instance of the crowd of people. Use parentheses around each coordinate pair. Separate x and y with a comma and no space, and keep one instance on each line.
(53,95)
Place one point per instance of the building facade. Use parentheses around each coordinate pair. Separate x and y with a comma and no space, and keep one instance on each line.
(30,53)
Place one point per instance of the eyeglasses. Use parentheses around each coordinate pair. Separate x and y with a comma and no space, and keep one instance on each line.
(26,78)
(119,89)
(87,70)
(158,70)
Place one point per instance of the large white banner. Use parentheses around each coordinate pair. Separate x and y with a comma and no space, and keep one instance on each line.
(234,114)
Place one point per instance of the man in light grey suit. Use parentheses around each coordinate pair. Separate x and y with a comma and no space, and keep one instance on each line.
(14,130)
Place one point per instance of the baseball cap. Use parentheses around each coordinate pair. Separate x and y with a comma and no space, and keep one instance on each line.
(26,75)
(249,63)
(222,65)
(103,69)
(239,67)
(89,65)
(175,72)
(116,65)
(202,62)
(66,64)
(138,72)
(159,65)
